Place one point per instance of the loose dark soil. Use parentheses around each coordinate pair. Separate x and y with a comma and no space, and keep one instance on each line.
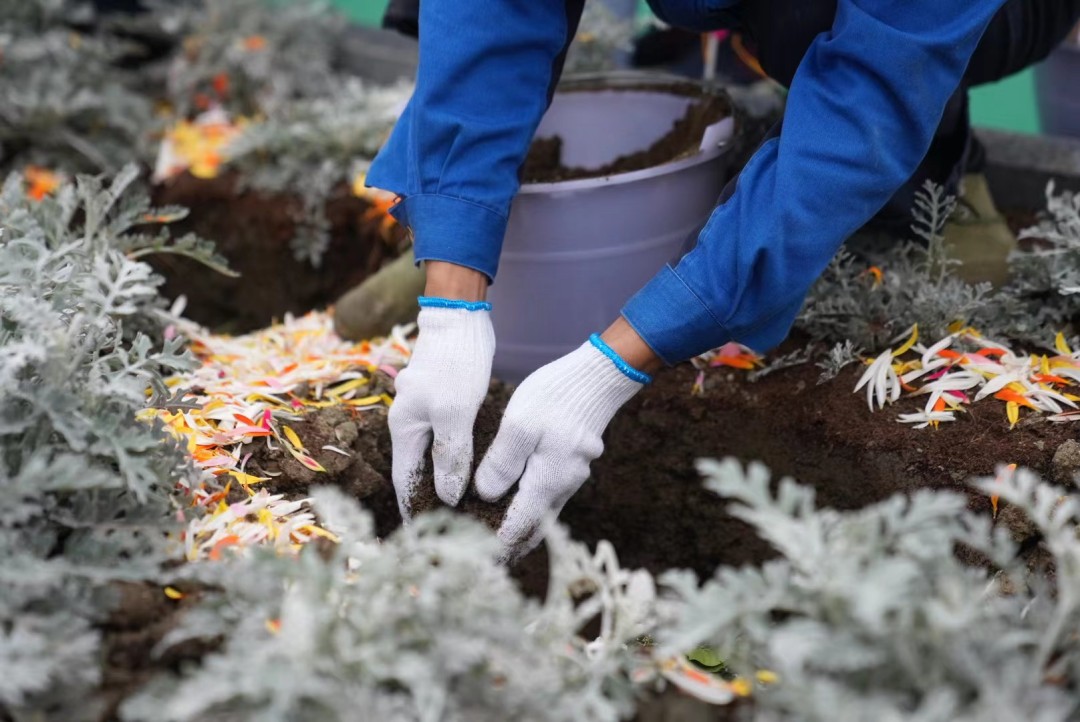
(544,161)
(645,495)
(143,615)
(253,231)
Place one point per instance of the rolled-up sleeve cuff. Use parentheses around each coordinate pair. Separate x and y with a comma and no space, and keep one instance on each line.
(451,229)
(672,319)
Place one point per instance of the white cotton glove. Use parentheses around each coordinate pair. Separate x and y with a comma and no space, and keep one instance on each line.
(438,395)
(549,434)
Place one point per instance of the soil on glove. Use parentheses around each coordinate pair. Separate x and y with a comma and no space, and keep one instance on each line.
(646,497)
(544,163)
(253,231)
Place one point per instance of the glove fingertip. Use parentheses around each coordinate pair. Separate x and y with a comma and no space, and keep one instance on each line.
(489,484)
(452,460)
(450,489)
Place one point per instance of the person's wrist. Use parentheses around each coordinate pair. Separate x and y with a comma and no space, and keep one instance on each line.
(451,281)
(625,341)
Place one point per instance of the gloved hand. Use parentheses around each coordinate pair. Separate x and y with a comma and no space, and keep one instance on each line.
(550,433)
(438,395)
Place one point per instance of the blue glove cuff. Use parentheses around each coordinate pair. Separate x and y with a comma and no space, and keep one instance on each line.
(629,371)
(435,302)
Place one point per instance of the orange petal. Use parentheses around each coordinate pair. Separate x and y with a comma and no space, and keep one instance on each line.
(227,541)
(1010,396)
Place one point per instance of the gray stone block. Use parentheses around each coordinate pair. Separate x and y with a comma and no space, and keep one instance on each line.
(1020,166)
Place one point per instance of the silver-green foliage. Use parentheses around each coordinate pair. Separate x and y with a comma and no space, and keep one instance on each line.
(841,355)
(424,625)
(601,38)
(86,486)
(1051,267)
(870,615)
(316,148)
(66,104)
(295,54)
(919,284)
(316,124)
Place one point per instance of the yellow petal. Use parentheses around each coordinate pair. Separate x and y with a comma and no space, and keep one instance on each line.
(767,676)
(909,343)
(359,185)
(319,531)
(1012,410)
(173,593)
(741,687)
(304,459)
(293,438)
(365,401)
(247,479)
(346,387)
(1062,345)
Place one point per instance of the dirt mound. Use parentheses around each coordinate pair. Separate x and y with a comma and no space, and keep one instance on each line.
(253,231)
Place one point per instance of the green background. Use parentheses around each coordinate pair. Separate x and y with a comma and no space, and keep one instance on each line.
(1008,105)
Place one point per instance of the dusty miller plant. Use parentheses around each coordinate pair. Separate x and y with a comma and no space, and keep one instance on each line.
(840,356)
(1050,268)
(314,125)
(424,625)
(601,39)
(870,615)
(66,104)
(316,148)
(249,56)
(917,285)
(86,485)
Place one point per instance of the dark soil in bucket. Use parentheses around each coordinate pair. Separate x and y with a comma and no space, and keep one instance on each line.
(645,495)
(253,231)
(544,161)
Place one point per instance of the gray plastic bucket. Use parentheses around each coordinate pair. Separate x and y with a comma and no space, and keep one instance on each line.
(1058,83)
(575,251)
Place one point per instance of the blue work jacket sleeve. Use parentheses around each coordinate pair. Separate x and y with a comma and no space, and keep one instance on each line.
(862,111)
(487,68)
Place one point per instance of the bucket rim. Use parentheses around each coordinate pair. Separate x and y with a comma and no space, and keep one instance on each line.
(644,82)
